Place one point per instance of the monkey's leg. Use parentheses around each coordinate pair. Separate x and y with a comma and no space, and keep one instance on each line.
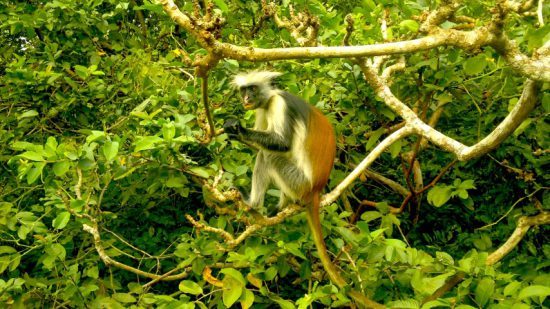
(290,179)
(283,200)
(260,181)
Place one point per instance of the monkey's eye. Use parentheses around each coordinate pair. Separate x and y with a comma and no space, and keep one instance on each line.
(252,88)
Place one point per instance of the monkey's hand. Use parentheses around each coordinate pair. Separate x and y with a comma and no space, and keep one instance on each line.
(233,127)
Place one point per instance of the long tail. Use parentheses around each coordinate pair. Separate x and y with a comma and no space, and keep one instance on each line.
(314,222)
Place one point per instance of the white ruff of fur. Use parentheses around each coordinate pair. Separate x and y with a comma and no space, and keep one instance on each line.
(254,78)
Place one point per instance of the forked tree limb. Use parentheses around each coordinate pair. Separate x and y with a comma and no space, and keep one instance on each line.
(523,226)
(536,68)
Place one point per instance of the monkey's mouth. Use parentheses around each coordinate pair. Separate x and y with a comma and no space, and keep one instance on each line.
(248,105)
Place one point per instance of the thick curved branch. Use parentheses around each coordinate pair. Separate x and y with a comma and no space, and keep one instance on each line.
(367,161)
(537,68)
(519,113)
(524,224)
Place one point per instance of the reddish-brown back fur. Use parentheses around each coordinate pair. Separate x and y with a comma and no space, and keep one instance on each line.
(321,147)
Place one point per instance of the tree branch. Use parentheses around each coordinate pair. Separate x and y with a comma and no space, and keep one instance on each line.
(93,230)
(537,68)
(524,224)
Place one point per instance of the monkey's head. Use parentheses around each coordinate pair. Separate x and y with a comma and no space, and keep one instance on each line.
(256,88)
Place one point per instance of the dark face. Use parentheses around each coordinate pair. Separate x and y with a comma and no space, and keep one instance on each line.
(251,96)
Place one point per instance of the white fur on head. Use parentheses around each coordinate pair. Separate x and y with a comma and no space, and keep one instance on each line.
(261,78)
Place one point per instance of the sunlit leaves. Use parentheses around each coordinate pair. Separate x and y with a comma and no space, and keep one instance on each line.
(410,25)
(147,143)
(475,65)
(109,128)
(9,258)
(484,290)
(124,297)
(32,155)
(534,291)
(232,290)
(61,220)
(110,150)
(221,5)
(190,287)
(441,194)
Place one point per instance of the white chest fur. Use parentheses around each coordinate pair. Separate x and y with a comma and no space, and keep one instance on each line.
(272,119)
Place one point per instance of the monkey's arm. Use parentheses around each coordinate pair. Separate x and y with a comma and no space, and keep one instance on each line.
(265,140)
(258,139)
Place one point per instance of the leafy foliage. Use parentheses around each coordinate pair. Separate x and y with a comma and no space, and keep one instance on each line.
(100,115)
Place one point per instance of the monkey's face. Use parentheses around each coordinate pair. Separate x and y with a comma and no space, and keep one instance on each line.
(251,95)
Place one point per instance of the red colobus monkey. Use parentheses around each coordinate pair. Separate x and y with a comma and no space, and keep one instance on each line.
(296,148)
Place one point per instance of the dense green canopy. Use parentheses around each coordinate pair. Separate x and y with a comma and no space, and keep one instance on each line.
(116,181)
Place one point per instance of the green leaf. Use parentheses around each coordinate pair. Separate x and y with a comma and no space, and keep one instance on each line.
(190,287)
(467,184)
(6,249)
(153,7)
(409,24)
(61,220)
(94,136)
(232,290)
(93,272)
(77,205)
(110,150)
(81,71)
(32,155)
(395,148)
(444,98)
(522,127)
(232,272)
(475,65)
(221,5)
(51,144)
(247,299)
(146,143)
(405,304)
(428,285)
(294,248)
(22,146)
(168,131)
(534,291)
(56,250)
(124,298)
(370,4)
(347,234)
(439,195)
(200,171)
(512,288)
(60,168)
(283,303)
(135,287)
(176,182)
(484,290)
(86,164)
(23,231)
(35,172)
(374,138)
(28,114)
